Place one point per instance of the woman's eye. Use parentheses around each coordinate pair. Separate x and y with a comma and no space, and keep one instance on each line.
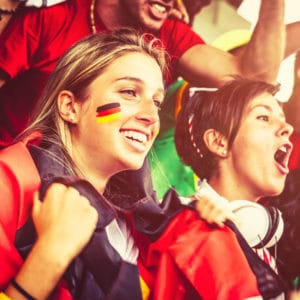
(157,103)
(129,92)
(263,118)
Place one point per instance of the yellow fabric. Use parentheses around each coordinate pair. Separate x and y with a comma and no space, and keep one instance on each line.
(145,289)
(197,182)
(232,39)
(3,296)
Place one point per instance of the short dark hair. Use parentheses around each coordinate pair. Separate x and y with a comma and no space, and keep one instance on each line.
(221,110)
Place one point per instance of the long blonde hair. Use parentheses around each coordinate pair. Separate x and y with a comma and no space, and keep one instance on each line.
(76,70)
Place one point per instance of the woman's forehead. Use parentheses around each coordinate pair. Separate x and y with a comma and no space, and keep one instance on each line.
(266,101)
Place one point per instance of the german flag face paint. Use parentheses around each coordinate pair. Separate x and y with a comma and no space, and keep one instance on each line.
(108,112)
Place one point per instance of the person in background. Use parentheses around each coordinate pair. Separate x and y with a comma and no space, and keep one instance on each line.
(248,10)
(9,7)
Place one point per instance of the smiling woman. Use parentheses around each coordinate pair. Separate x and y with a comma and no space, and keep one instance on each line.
(98,116)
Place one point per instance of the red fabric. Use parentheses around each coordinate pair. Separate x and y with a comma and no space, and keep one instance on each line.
(15,205)
(42,35)
(17,189)
(294,162)
(34,41)
(37,37)
(177,38)
(191,253)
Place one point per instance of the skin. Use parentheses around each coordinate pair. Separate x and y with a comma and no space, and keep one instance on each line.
(249,170)
(140,94)
(59,232)
(7,5)
(65,221)
(148,14)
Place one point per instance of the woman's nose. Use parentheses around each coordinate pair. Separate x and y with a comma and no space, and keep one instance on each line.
(286,129)
(148,112)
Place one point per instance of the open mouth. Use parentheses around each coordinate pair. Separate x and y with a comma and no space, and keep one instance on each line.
(282,155)
(159,10)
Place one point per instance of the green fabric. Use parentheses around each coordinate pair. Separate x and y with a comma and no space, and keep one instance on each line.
(296,283)
(167,170)
(167,119)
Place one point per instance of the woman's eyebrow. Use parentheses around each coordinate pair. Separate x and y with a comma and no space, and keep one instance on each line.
(267,107)
(129,78)
(138,80)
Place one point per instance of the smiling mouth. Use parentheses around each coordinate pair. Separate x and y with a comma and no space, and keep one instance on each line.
(136,136)
(160,8)
(282,155)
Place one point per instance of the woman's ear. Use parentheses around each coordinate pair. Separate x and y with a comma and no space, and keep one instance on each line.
(68,107)
(216,142)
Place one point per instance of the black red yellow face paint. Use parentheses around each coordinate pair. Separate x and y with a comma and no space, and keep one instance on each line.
(108,112)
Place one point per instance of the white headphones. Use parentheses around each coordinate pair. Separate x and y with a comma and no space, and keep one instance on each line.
(261,226)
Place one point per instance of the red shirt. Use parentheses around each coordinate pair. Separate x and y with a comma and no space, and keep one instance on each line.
(35,40)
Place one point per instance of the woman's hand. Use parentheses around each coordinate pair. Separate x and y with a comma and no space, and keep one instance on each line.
(179,12)
(214,212)
(65,220)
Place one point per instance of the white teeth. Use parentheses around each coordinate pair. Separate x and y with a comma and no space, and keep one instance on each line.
(159,7)
(137,136)
(283,149)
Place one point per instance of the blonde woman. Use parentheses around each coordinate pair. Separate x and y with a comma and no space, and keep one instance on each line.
(98,116)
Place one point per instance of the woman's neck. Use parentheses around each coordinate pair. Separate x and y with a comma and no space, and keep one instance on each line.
(87,170)
(231,189)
